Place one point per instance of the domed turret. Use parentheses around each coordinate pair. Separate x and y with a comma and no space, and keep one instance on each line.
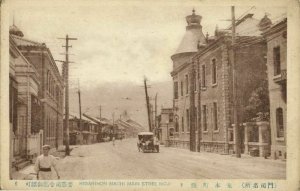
(15,31)
(192,36)
(193,20)
(264,23)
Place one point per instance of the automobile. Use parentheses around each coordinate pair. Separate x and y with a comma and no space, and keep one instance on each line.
(147,142)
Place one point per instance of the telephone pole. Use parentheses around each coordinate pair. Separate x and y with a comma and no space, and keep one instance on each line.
(100,112)
(155,112)
(147,102)
(79,99)
(199,112)
(67,91)
(192,110)
(235,97)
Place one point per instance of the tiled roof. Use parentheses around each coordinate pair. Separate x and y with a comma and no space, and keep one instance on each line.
(20,41)
(190,40)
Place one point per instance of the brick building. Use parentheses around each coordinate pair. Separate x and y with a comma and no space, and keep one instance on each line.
(203,84)
(180,74)
(50,89)
(276,37)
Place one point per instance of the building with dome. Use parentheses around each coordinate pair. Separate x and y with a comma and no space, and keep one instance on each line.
(181,74)
(202,81)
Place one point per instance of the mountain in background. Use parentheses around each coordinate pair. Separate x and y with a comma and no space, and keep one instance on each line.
(116,98)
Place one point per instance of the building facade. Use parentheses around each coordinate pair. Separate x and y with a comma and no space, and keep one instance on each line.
(26,135)
(276,38)
(50,89)
(181,75)
(203,90)
(167,126)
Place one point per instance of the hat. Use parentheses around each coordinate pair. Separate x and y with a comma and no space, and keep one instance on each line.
(46,147)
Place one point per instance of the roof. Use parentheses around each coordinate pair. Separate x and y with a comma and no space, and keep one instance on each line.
(277,26)
(21,41)
(134,123)
(190,40)
(145,133)
(96,120)
(75,115)
(192,35)
(15,30)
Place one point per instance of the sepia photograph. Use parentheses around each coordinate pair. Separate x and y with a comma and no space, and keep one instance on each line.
(146,90)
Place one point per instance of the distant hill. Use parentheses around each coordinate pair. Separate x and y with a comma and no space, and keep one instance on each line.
(115,98)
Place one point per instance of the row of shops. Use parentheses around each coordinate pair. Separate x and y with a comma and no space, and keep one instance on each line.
(89,130)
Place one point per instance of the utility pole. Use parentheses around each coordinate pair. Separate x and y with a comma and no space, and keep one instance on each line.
(67,91)
(155,112)
(199,110)
(235,97)
(147,102)
(79,99)
(113,116)
(192,110)
(100,112)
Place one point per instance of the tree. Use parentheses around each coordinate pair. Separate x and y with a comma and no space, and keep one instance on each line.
(258,103)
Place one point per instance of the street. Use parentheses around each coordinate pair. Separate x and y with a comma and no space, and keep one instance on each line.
(123,161)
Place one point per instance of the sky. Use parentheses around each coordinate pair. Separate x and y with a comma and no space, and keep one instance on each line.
(119,42)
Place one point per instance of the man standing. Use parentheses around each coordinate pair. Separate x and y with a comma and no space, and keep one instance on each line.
(113,140)
(44,163)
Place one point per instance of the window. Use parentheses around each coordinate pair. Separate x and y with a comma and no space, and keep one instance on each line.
(279,122)
(175,90)
(215,110)
(276,58)
(188,119)
(48,81)
(214,71)
(181,88)
(182,124)
(203,76)
(204,110)
(170,117)
(176,125)
(187,84)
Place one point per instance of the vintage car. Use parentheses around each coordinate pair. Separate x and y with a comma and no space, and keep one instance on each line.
(147,142)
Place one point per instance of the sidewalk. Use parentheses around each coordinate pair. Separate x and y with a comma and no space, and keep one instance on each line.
(244,157)
(28,173)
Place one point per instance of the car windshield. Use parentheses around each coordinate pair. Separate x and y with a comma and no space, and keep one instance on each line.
(145,137)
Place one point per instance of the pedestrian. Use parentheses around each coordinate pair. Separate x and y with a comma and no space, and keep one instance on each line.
(113,140)
(44,163)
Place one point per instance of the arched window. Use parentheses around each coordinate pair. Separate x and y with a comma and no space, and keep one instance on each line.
(276,60)
(279,122)
(214,71)
(176,125)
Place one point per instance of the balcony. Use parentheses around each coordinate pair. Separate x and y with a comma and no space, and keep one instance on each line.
(281,78)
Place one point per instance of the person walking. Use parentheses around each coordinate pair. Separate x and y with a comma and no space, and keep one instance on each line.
(44,164)
(113,140)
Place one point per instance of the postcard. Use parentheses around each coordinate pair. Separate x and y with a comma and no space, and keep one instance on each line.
(149,95)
